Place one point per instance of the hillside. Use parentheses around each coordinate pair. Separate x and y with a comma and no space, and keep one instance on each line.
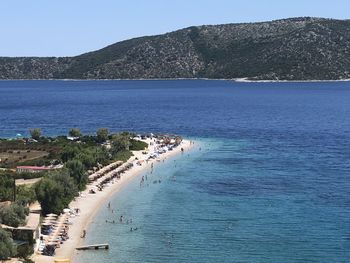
(289,49)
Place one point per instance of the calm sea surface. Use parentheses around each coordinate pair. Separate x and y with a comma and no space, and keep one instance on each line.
(271,182)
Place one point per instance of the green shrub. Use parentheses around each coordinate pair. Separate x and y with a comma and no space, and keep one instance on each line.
(6,246)
(55,191)
(136,145)
(13,215)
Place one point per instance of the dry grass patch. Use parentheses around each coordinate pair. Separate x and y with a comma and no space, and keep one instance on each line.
(16,156)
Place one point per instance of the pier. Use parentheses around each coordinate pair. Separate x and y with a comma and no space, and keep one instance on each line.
(97,246)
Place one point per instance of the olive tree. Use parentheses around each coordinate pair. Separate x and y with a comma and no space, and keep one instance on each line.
(102,134)
(120,142)
(35,133)
(6,246)
(75,132)
(13,215)
(55,192)
(77,172)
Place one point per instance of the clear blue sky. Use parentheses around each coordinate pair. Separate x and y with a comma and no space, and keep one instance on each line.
(72,27)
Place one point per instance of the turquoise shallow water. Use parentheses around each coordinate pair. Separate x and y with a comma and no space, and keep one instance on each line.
(156,210)
(271,183)
(220,209)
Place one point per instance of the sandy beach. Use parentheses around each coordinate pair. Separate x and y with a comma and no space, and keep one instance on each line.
(89,204)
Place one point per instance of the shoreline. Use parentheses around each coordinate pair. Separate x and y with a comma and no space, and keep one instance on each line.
(246,80)
(238,80)
(90,204)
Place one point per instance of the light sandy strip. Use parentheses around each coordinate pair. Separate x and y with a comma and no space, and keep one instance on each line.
(89,204)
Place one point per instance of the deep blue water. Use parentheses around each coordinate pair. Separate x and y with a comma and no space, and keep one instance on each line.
(270,184)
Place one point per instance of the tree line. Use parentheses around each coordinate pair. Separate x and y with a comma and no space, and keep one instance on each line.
(58,188)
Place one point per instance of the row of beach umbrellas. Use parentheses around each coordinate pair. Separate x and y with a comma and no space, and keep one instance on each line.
(58,223)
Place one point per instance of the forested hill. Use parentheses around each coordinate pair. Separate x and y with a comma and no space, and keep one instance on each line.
(289,49)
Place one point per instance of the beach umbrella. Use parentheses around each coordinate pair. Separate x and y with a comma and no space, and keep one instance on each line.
(47,223)
(59,225)
(54,215)
(54,234)
(62,221)
(53,239)
(50,217)
(56,225)
(52,243)
(64,216)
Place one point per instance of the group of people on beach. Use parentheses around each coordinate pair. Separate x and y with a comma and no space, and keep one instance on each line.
(106,175)
(117,174)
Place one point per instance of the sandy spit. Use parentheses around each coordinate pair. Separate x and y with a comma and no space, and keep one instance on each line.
(89,204)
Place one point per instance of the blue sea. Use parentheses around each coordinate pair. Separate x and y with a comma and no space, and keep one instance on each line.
(269,183)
